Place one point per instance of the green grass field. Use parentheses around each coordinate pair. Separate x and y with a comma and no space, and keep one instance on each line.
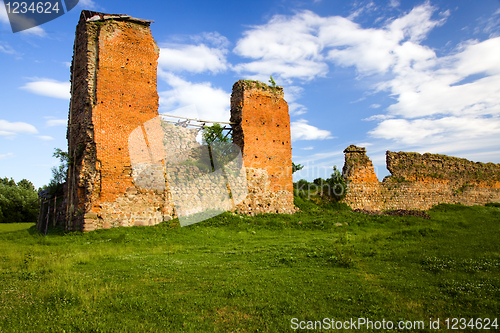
(9,227)
(254,274)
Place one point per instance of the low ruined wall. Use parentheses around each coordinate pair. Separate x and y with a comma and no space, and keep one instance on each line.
(419,181)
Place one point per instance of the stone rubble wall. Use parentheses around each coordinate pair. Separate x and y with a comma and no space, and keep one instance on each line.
(419,181)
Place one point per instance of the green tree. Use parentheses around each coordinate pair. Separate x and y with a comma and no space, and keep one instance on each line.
(220,146)
(296,167)
(59,173)
(214,133)
(18,202)
(337,185)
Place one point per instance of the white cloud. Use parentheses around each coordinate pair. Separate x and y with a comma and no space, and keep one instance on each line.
(207,54)
(374,51)
(394,3)
(369,7)
(7,49)
(490,25)
(453,130)
(45,137)
(192,58)
(378,117)
(301,130)
(10,130)
(311,40)
(294,54)
(424,90)
(194,100)
(22,21)
(88,4)
(292,93)
(4,18)
(375,106)
(2,156)
(296,109)
(307,148)
(57,122)
(49,87)
(214,39)
(35,31)
(439,100)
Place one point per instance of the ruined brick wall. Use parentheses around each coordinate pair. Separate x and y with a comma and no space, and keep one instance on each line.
(262,131)
(419,181)
(113,92)
(436,168)
(127,167)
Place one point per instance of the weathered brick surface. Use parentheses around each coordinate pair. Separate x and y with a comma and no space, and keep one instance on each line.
(419,181)
(262,131)
(113,93)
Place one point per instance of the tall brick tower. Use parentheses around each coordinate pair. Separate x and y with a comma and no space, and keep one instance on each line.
(262,131)
(113,86)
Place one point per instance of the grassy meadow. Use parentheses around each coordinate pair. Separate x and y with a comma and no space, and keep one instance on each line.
(254,274)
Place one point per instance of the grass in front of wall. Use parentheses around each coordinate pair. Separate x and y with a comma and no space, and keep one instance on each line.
(9,227)
(254,274)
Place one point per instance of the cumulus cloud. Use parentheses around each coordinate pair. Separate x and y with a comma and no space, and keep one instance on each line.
(437,98)
(192,58)
(207,55)
(312,41)
(446,100)
(49,87)
(301,130)
(10,130)
(448,132)
(294,54)
(193,100)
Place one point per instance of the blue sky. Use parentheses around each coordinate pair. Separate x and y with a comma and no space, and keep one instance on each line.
(393,75)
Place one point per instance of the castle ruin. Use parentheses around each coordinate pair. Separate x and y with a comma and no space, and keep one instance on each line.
(124,164)
(128,168)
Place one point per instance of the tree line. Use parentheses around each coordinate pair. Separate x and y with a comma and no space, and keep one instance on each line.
(18,201)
